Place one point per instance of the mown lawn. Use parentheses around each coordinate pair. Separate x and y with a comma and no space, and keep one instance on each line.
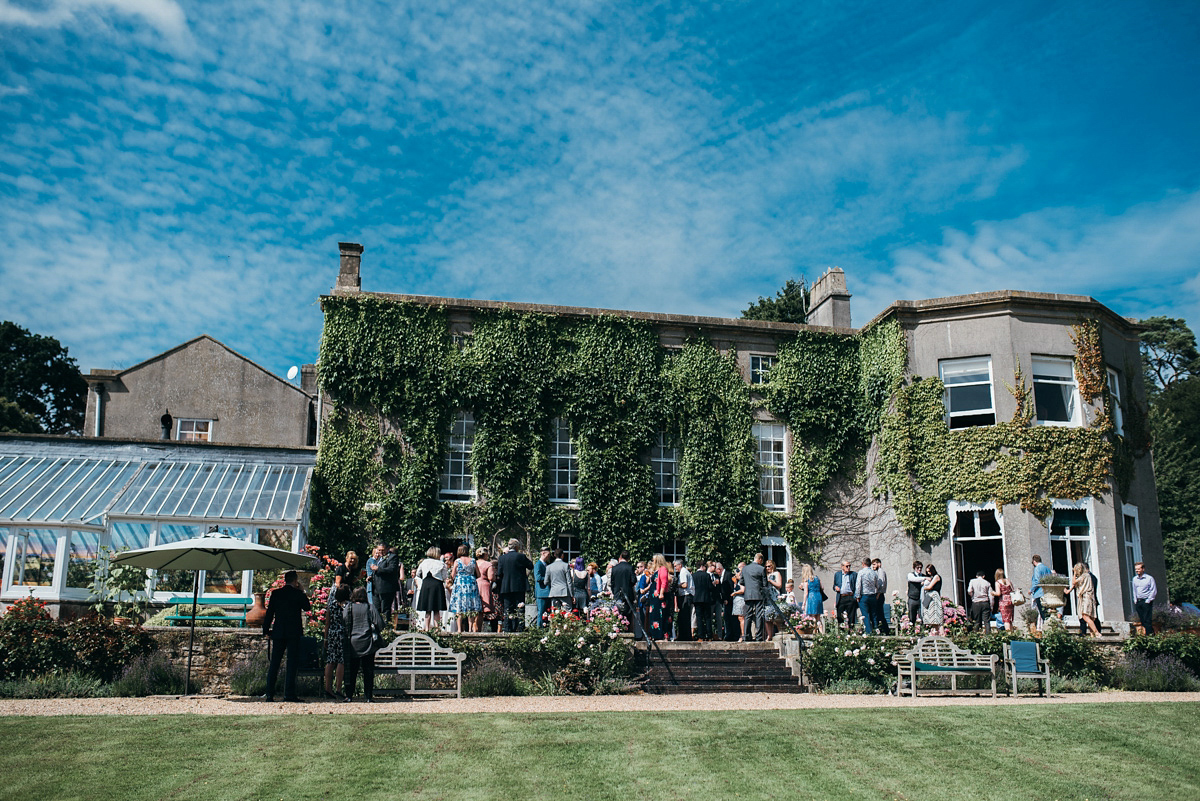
(1113,751)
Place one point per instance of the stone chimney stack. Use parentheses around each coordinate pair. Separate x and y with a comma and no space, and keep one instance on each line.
(828,301)
(308,378)
(348,278)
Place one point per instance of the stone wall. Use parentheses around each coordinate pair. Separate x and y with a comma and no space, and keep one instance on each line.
(217,652)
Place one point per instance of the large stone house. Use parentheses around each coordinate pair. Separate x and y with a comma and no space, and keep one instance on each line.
(970,431)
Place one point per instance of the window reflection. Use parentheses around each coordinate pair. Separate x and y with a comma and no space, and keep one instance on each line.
(81,558)
(35,552)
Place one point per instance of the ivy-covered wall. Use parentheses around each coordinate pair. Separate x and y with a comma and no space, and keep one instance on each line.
(397,377)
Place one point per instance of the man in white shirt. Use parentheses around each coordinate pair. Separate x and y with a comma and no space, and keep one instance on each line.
(865,591)
(980,593)
(684,595)
(916,580)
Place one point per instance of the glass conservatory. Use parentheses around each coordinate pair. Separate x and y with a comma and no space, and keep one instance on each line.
(62,500)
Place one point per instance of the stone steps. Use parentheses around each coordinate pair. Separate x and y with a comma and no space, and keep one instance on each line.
(690,667)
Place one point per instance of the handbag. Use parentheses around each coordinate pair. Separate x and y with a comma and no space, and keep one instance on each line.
(1017,596)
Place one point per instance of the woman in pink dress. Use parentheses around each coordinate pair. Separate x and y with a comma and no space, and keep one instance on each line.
(1003,591)
(487,574)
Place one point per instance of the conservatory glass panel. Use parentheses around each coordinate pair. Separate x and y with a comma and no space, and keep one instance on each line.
(176,580)
(130,536)
(35,553)
(81,558)
(276,537)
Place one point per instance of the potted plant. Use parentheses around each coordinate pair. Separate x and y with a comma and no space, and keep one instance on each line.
(1054,590)
(121,587)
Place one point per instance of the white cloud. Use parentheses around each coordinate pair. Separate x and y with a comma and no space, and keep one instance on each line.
(166,16)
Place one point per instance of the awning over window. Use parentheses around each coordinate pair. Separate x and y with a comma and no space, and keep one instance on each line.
(78,483)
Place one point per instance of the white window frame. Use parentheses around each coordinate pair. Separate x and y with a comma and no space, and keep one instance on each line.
(673,549)
(772,465)
(563,461)
(952,510)
(1084,504)
(1076,410)
(950,387)
(571,545)
(1118,411)
(460,443)
(664,459)
(761,365)
(179,432)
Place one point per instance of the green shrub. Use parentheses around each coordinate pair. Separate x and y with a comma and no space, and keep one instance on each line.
(492,676)
(249,677)
(103,649)
(55,685)
(1182,645)
(834,657)
(160,617)
(1064,684)
(150,674)
(1069,655)
(852,687)
(1137,672)
(31,642)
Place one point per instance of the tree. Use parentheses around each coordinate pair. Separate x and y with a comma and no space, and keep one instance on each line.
(41,390)
(1168,352)
(1172,369)
(790,305)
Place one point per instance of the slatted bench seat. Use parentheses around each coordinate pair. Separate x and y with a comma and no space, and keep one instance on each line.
(938,656)
(415,654)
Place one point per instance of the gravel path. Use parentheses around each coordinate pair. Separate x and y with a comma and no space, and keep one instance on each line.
(234,705)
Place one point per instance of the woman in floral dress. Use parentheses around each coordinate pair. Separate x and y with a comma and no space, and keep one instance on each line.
(464,595)
(335,639)
(1003,591)
(932,614)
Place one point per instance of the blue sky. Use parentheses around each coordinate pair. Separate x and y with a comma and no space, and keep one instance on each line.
(175,168)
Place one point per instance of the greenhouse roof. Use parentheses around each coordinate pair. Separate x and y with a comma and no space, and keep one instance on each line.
(63,482)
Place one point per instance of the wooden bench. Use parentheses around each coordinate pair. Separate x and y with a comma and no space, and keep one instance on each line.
(415,654)
(238,620)
(938,656)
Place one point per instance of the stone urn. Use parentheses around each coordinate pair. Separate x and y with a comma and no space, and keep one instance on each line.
(1053,595)
(256,613)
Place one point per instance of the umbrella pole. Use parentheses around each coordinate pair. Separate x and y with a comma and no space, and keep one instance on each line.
(187,688)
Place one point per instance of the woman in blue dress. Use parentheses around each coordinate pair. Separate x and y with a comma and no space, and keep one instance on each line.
(814,600)
(465,600)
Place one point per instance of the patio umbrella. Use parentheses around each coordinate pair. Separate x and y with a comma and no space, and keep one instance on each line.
(213,551)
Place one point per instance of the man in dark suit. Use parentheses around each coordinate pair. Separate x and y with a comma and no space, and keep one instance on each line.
(285,610)
(703,601)
(727,625)
(385,581)
(622,590)
(512,573)
(754,580)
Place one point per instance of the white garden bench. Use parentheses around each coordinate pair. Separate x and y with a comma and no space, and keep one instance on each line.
(938,656)
(415,654)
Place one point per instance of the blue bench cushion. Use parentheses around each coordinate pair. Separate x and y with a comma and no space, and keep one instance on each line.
(927,667)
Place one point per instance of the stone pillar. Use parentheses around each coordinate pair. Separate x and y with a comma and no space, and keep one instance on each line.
(829,302)
(348,278)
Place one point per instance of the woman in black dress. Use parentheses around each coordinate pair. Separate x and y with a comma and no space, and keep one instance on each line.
(335,636)
(348,572)
(580,586)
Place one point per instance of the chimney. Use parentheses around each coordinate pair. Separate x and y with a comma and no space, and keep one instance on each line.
(348,278)
(308,379)
(829,302)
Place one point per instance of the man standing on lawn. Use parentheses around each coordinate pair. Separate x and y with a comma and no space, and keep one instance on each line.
(285,610)
(1144,593)
(843,587)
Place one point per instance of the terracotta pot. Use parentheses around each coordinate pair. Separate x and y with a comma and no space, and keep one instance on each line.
(122,621)
(256,613)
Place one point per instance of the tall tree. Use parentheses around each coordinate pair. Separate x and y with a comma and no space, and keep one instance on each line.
(1172,370)
(790,305)
(1168,352)
(41,381)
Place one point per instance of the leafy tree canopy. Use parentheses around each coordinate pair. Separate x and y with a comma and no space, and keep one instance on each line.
(790,305)
(1168,352)
(41,389)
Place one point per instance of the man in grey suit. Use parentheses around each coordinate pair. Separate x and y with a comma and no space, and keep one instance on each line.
(754,579)
(558,582)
